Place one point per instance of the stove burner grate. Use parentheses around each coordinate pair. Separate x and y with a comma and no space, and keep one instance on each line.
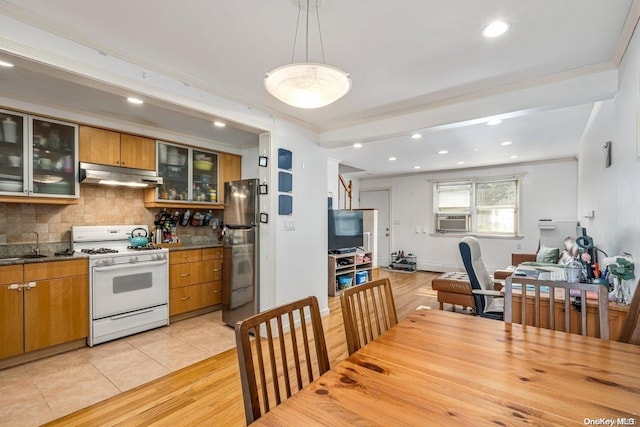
(99,251)
(143,248)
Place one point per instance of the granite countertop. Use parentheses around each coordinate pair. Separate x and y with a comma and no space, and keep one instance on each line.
(15,254)
(195,246)
(49,257)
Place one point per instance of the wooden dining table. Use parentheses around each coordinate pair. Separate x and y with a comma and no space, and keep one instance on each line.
(442,368)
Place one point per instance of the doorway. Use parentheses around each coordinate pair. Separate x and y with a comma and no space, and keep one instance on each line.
(380,200)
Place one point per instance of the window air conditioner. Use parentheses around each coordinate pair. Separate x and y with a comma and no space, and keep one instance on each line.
(459,223)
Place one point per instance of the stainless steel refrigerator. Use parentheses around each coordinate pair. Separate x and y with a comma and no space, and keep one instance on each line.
(240,272)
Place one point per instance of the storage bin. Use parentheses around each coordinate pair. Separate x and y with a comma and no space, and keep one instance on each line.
(362,277)
(344,281)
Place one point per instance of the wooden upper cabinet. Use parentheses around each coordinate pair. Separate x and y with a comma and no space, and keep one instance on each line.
(111,148)
(230,170)
(99,146)
(137,152)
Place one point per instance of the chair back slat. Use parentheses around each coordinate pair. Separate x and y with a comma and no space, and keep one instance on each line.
(581,290)
(271,346)
(368,310)
(630,331)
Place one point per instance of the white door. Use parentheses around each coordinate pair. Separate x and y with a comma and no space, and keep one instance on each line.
(380,199)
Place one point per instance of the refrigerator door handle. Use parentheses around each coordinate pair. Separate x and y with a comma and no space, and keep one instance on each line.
(240,227)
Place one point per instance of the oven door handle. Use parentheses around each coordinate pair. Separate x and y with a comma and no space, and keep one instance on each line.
(131,264)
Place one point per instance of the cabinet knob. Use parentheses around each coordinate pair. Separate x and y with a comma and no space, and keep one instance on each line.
(185,275)
(15,287)
(185,298)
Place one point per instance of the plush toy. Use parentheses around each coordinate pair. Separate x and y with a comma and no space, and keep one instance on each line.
(570,251)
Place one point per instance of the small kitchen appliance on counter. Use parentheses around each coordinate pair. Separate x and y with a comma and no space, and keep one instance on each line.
(128,283)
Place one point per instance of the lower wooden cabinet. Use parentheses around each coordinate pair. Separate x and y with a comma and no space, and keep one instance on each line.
(42,305)
(195,280)
(194,297)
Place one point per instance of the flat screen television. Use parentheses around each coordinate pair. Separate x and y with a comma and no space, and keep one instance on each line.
(345,230)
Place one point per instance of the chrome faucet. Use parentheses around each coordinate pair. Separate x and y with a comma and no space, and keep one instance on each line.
(36,248)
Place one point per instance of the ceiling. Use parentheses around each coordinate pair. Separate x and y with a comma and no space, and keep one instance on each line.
(416,65)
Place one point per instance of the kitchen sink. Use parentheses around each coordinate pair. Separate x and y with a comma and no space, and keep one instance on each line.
(29,256)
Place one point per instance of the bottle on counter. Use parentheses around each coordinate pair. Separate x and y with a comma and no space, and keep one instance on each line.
(185,218)
(207,218)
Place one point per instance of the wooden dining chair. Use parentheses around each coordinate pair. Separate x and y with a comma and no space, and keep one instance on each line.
(630,331)
(531,306)
(367,311)
(280,351)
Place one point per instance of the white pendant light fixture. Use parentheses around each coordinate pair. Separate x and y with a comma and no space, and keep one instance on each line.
(307,84)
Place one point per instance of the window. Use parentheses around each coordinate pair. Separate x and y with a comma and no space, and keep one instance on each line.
(481,206)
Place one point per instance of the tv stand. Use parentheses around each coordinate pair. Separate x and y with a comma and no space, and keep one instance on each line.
(342,251)
(348,265)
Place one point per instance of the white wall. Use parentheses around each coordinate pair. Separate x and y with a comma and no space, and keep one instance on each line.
(549,190)
(301,253)
(614,192)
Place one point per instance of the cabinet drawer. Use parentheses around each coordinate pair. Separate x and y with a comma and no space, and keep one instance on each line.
(55,269)
(10,274)
(211,270)
(212,253)
(180,257)
(217,292)
(189,298)
(183,275)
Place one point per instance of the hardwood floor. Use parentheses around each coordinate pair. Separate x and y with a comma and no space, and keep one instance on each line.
(209,393)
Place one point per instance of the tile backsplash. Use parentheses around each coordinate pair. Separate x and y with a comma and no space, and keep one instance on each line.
(97,206)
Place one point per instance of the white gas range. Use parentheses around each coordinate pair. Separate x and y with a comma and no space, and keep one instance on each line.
(128,286)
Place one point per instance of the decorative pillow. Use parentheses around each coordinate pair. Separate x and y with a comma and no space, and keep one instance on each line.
(546,254)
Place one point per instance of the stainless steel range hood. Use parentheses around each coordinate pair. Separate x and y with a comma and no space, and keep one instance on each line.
(91,173)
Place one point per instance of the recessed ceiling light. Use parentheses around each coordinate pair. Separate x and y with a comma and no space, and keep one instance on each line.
(416,136)
(416,167)
(357,145)
(219,124)
(494,122)
(392,159)
(442,152)
(134,100)
(506,143)
(6,64)
(513,157)
(495,29)
(461,163)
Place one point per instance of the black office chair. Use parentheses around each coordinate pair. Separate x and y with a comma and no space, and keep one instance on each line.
(489,302)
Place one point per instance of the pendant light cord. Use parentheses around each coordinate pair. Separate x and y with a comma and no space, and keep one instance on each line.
(319,32)
(295,37)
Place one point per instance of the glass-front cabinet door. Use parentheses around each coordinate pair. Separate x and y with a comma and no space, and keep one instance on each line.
(54,158)
(13,152)
(205,176)
(190,175)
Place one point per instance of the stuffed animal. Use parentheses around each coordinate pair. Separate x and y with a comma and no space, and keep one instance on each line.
(570,251)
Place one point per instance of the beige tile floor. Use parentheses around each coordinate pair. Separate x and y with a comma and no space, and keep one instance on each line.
(41,391)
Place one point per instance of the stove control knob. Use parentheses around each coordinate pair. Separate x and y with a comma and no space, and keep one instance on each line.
(158,256)
(133,259)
